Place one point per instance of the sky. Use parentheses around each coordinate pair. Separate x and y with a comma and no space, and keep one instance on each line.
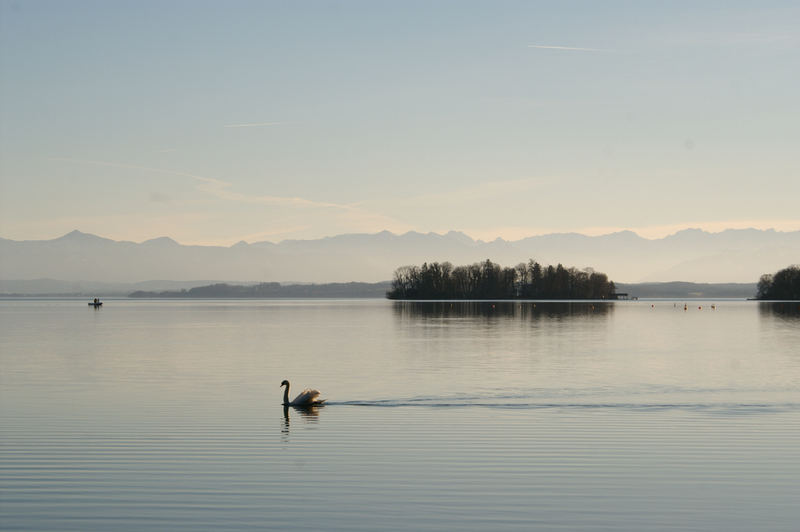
(217,122)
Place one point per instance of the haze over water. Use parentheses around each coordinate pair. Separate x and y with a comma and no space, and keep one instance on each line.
(154,415)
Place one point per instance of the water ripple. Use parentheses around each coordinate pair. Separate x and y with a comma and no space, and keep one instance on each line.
(476,402)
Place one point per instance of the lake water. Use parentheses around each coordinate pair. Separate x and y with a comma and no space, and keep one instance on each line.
(166,415)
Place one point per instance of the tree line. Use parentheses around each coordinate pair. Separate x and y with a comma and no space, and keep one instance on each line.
(487,280)
(784,284)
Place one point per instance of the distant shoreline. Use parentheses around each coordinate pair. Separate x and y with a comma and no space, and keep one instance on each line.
(687,290)
(357,290)
(353,290)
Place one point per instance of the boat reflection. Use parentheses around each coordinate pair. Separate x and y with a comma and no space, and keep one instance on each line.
(533,310)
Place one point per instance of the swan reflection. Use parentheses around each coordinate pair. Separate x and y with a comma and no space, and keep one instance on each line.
(308,414)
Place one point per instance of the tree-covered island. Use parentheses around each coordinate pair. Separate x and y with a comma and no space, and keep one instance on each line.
(781,285)
(487,280)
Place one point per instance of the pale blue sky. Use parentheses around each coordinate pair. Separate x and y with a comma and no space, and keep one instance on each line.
(214,122)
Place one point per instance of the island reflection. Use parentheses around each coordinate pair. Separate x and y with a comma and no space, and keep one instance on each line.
(782,309)
(532,310)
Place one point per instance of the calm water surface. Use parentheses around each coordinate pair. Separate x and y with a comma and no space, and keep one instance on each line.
(166,415)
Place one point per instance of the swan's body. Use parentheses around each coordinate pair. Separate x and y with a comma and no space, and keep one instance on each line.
(306,398)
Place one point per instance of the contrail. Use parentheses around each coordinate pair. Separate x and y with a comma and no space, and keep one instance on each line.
(565,48)
(254,124)
(215,187)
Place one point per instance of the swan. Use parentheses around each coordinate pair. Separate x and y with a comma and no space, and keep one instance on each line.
(307,397)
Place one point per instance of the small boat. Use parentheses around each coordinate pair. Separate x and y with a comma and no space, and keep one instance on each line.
(96,303)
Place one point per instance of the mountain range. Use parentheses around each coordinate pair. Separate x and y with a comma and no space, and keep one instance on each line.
(730,256)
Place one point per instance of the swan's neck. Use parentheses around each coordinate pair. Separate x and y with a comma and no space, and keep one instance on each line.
(286,395)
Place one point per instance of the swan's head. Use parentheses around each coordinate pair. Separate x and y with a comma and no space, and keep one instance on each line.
(285,383)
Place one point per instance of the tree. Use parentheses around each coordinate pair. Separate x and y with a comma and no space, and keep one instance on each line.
(783,284)
(764,286)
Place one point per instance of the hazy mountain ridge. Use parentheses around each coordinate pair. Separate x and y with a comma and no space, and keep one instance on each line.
(733,255)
